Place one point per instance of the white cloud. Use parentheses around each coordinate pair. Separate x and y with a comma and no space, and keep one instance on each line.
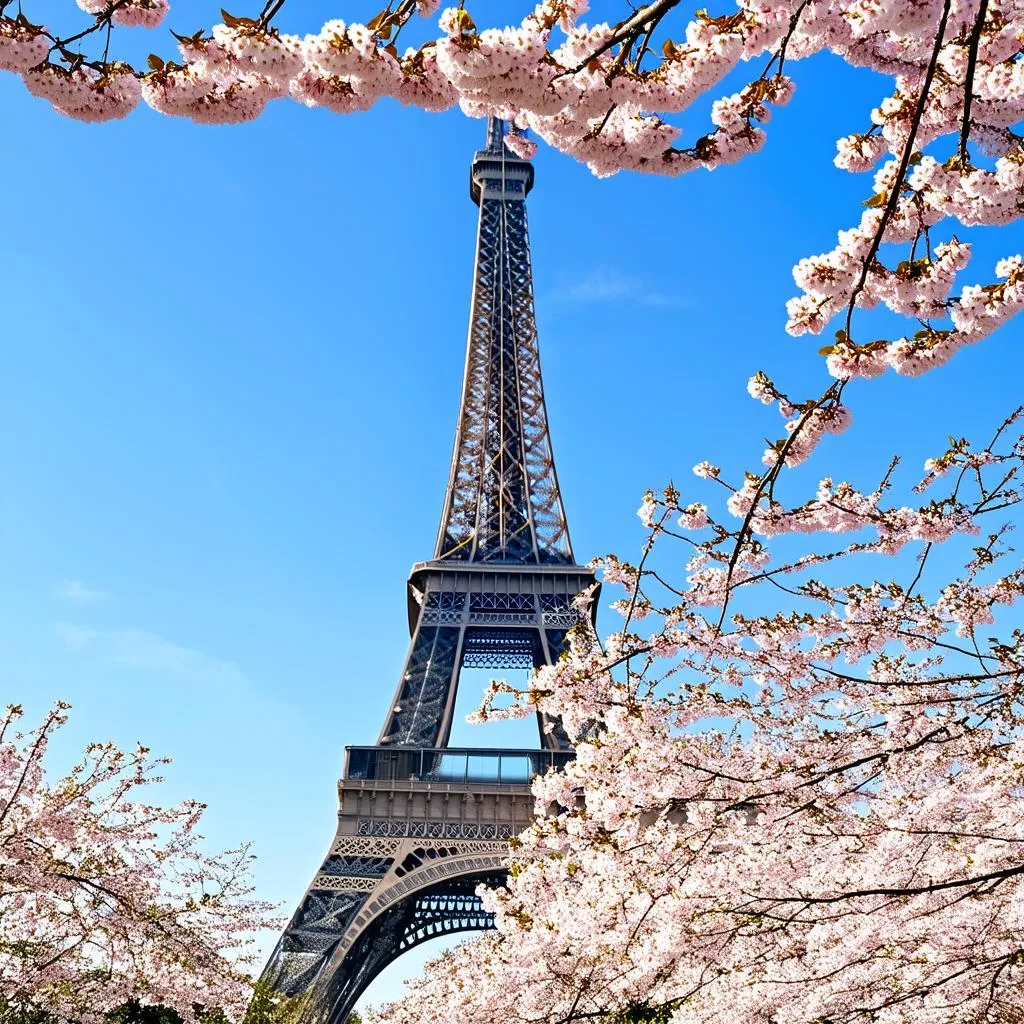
(607,284)
(75,636)
(153,653)
(76,590)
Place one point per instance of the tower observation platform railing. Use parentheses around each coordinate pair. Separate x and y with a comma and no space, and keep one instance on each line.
(452,765)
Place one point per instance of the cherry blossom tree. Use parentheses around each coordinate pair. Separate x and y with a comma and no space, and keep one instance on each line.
(798,793)
(106,897)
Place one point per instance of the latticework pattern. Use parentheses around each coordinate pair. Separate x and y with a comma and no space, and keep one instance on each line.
(503,502)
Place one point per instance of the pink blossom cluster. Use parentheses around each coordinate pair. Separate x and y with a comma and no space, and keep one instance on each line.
(578,97)
(694,516)
(615,571)
(137,13)
(345,69)
(226,79)
(806,431)
(648,510)
(232,76)
(981,308)
(761,387)
(22,46)
(959,455)
(915,288)
(837,509)
(975,314)
(859,152)
(86,94)
(973,606)
(519,144)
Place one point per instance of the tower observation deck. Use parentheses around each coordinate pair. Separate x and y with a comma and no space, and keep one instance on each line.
(422,824)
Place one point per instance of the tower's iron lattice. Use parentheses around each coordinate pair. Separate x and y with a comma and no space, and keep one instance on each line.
(421,824)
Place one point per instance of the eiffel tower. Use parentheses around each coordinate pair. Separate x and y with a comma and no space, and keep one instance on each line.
(422,824)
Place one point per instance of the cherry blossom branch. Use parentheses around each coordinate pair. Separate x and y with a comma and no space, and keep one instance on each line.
(102,21)
(52,720)
(780,54)
(901,173)
(972,64)
(629,31)
(767,483)
(906,890)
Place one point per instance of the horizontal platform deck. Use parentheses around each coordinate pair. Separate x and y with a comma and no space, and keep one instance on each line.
(451,765)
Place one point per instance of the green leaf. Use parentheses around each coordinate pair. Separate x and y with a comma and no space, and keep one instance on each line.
(155,63)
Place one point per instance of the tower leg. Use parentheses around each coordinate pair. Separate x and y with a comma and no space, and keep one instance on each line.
(426,687)
(481,619)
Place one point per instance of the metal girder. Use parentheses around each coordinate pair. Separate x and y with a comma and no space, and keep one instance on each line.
(503,503)
(482,624)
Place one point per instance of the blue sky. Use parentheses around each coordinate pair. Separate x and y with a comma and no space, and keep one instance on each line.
(231,375)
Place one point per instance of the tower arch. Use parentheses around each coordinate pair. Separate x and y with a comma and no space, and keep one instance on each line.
(436,908)
(373,900)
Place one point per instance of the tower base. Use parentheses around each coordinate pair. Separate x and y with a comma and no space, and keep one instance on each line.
(418,832)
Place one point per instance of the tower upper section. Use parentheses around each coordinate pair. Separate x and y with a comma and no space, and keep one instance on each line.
(496,172)
(503,503)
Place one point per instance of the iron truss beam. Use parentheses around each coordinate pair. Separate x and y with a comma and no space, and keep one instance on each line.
(503,503)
